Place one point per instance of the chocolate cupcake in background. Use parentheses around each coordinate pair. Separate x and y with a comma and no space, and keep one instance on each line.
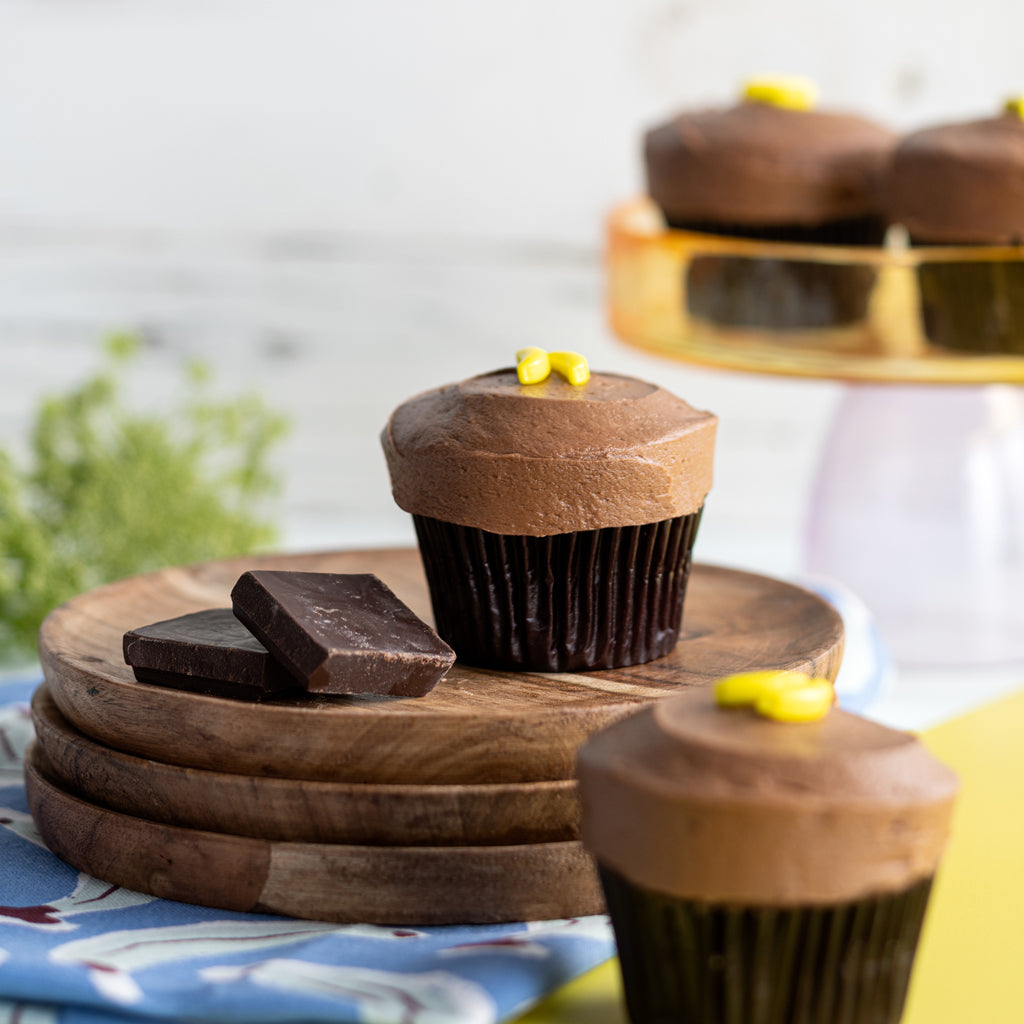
(763,871)
(773,168)
(555,520)
(961,185)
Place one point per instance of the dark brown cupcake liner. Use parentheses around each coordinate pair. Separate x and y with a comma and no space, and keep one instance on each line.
(869,230)
(776,294)
(973,306)
(571,602)
(783,294)
(703,963)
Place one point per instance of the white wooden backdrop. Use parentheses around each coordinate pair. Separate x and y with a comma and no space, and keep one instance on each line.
(344,202)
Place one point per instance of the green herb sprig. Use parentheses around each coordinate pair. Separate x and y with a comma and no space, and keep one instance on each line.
(110,491)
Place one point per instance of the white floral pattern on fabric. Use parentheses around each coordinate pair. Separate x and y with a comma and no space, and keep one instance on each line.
(527,942)
(135,949)
(22,1013)
(89,896)
(15,735)
(386,997)
(21,824)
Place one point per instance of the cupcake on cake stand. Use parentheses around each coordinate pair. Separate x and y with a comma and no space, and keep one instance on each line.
(919,501)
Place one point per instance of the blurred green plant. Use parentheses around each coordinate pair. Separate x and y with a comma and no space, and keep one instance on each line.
(110,491)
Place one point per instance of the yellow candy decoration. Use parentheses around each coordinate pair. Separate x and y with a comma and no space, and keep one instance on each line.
(798,704)
(746,688)
(1015,105)
(532,365)
(793,92)
(783,696)
(572,366)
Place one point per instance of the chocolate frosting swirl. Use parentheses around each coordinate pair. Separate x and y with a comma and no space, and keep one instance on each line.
(542,459)
(720,805)
(759,164)
(961,183)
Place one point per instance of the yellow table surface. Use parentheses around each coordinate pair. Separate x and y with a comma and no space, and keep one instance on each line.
(969,964)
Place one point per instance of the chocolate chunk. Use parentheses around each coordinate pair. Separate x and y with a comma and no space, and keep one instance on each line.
(341,633)
(206,652)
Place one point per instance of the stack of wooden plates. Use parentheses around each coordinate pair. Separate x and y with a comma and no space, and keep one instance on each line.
(456,807)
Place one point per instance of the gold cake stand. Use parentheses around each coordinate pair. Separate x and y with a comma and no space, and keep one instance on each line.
(649,267)
(918,505)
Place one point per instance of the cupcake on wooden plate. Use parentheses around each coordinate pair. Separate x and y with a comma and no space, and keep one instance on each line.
(773,168)
(766,859)
(556,511)
(960,185)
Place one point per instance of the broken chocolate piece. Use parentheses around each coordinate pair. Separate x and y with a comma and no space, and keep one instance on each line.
(341,633)
(206,652)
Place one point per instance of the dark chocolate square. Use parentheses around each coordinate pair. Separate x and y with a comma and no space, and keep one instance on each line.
(206,652)
(341,633)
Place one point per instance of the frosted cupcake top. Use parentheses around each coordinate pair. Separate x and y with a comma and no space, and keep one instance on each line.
(725,806)
(961,183)
(765,164)
(549,458)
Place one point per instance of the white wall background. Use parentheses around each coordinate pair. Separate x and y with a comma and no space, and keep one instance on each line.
(344,202)
(469,118)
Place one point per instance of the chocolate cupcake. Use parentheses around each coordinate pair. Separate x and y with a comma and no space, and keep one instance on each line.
(773,168)
(960,184)
(763,870)
(555,520)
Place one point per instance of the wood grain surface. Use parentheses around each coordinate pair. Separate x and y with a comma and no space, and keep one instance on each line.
(325,882)
(299,810)
(475,727)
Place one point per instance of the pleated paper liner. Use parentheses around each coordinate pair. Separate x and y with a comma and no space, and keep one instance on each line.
(975,306)
(782,294)
(594,599)
(682,960)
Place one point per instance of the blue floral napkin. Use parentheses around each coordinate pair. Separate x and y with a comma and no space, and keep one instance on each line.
(74,950)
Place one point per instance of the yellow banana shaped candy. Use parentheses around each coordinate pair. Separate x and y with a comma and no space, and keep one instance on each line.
(572,366)
(532,365)
(799,703)
(784,696)
(745,688)
(792,92)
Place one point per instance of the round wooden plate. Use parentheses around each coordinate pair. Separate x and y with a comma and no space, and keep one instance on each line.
(370,884)
(476,726)
(298,810)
